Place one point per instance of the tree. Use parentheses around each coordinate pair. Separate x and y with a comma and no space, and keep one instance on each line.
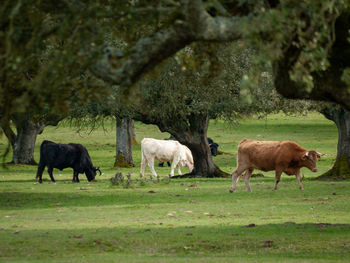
(54,44)
(93,114)
(341,166)
(201,83)
(124,138)
(41,68)
(305,41)
(27,128)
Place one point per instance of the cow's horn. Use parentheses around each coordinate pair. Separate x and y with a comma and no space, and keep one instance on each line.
(307,154)
(98,169)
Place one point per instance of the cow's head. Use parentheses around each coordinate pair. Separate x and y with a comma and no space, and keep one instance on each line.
(91,173)
(309,160)
(190,165)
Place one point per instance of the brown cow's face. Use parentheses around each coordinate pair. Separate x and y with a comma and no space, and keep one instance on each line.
(309,160)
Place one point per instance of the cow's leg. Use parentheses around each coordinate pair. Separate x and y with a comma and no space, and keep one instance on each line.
(39,173)
(299,180)
(151,166)
(278,174)
(49,170)
(75,177)
(236,175)
(178,169)
(247,175)
(143,166)
(175,163)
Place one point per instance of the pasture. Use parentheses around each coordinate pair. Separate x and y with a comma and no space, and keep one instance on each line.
(184,220)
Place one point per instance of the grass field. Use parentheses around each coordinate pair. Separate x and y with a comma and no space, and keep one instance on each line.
(184,220)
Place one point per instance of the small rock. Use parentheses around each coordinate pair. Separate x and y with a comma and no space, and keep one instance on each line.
(268,243)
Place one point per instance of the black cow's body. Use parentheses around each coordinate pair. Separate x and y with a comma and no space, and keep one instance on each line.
(60,156)
(213,146)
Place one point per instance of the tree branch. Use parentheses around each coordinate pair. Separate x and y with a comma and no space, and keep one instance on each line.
(10,135)
(197,25)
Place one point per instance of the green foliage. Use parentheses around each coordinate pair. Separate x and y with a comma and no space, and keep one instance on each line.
(305,27)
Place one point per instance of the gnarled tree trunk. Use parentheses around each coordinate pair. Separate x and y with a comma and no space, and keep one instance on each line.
(23,142)
(341,167)
(124,139)
(195,138)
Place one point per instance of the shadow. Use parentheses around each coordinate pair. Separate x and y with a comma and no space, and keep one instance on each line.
(271,241)
(83,195)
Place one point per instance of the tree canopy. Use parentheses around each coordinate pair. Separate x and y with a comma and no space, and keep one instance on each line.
(48,47)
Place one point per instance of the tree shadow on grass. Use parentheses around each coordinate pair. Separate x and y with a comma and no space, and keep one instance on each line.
(287,241)
(84,198)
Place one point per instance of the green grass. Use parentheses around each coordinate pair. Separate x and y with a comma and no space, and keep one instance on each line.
(186,220)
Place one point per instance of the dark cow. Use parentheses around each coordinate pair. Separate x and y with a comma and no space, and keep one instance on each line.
(60,156)
(212,145)
(281,156)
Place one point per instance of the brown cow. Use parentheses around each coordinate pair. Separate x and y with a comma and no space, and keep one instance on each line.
(281,156)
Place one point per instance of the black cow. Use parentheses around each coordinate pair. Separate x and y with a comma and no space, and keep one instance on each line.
(60,156)
(213,148)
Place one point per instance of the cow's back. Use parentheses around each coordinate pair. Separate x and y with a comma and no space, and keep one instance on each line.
(162,150)
(267,155)
(59,155)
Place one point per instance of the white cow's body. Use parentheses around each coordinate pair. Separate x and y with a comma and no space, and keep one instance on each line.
(165,151)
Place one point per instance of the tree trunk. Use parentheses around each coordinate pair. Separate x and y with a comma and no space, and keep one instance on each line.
(24,142)
(124,138)
(133,134)
(196,140)
(341,167)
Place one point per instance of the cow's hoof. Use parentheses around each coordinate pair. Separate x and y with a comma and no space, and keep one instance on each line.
(231,190)
(94,181)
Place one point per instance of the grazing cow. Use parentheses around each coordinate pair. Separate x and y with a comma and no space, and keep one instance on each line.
(213,149)
(60,156)
(281,156)
(163,151)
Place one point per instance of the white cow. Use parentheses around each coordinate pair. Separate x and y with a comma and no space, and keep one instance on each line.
(165,151)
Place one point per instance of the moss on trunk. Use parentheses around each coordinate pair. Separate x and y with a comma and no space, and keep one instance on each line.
(340,170)
(134,142)
(121,162)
